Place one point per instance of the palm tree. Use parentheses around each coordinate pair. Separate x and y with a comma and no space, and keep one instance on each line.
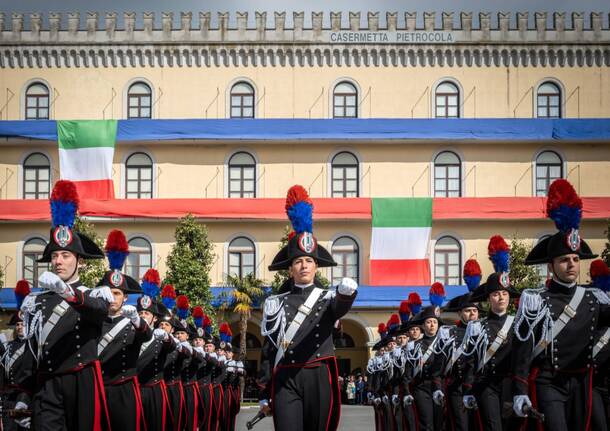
(240,296)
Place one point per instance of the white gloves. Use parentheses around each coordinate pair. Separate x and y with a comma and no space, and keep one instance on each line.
(52,282)
(407,400)
(23,422)
(369,397)
(102,292)
(519,405)
(131,313)
(3,339)
(199,350)
(469,401)
(263,403)
(438,397)
(385,399)
(347,286)
(160,334)
(213,355)
(377,401)
(395,400)
(186,347)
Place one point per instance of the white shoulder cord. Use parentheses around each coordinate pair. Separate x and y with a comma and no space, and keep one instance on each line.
(445,342)
(32,323)
(532,310)
(398,358)
(274,314)
(475,341)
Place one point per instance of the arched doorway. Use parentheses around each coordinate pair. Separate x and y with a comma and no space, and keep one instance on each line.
(254,344)
(350,339)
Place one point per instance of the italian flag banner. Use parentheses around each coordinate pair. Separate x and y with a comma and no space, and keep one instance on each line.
(86,150)
(400,241)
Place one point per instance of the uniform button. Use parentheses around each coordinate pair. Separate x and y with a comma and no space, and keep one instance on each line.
(75,326)
(317,335)
(317,325)
(291,352)
(80,364)
(48,362)
(317,355)
(78,346)
(592,309)
(78,355)
(77,337)
(317,314)
(50,369)
(292,362)
(556,367)
(317,345)
(46,343)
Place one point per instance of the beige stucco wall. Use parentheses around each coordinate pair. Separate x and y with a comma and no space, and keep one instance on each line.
(301,92)
(198,170)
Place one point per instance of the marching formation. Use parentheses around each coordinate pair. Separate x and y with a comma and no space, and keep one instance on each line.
(83,359)
(529,360)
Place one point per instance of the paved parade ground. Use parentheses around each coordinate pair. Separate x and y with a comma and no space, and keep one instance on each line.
(353,418)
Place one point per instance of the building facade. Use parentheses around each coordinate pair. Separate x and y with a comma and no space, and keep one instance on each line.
(306,82)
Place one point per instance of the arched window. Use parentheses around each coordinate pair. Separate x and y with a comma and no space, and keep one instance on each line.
(345,175)
(447,175)
(342,340)
(138,176)
(447,100)
(347,255)
(549,167)
(139,259)
(242,176)
(139,101)
(252,342)
(37,102)
(345,100)
(548,100)
(242,256)
(447,261)
(242,100)
(32,251)
(36,176)
(543,269)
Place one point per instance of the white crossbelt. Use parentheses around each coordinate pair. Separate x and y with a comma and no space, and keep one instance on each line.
(14,358)
(601,343)
(426,356)
(303,311)
(145,346)
(109,336)
(58,312)
(500,337)
(567,314)
(455,355)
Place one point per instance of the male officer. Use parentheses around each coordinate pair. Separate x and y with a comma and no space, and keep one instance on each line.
(63,325)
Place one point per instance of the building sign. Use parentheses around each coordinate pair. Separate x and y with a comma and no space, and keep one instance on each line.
(393,37)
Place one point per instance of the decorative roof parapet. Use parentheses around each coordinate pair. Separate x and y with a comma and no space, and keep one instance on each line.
(446,41)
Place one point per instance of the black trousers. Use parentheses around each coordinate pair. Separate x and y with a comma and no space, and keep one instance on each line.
(599,415)
(192,402)
(125,406)
(71,401)
(155,404)
(429,415)
(217,395)
(175,395)
(563,399)
(491,395)
(206,400)
(379,420)
(305,399)
(459,418)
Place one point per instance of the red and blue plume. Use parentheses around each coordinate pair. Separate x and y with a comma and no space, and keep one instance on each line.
(224,332)
(64,203)
(22,289)
(168,296)
(404,311)
(600,275)
(182,307)
(564,206)
(472,274)
(299,209)
(414,301)
(437,294)
(151,282)
(207,324)
(499,253)
(116,249)
(198,316)
(382,329)
(393,323)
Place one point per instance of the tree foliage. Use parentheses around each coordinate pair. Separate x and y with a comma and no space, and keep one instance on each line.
(190,261)
(93,270)
(239,297)
(522,276)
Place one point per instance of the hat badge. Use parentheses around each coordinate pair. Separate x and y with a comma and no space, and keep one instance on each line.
(200,332)
(116,279)
(63,236)
(437,311)
(504,280)
(573,240)
(145,302)
(307,242)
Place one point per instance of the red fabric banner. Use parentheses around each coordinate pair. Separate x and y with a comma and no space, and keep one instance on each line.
(403,272)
